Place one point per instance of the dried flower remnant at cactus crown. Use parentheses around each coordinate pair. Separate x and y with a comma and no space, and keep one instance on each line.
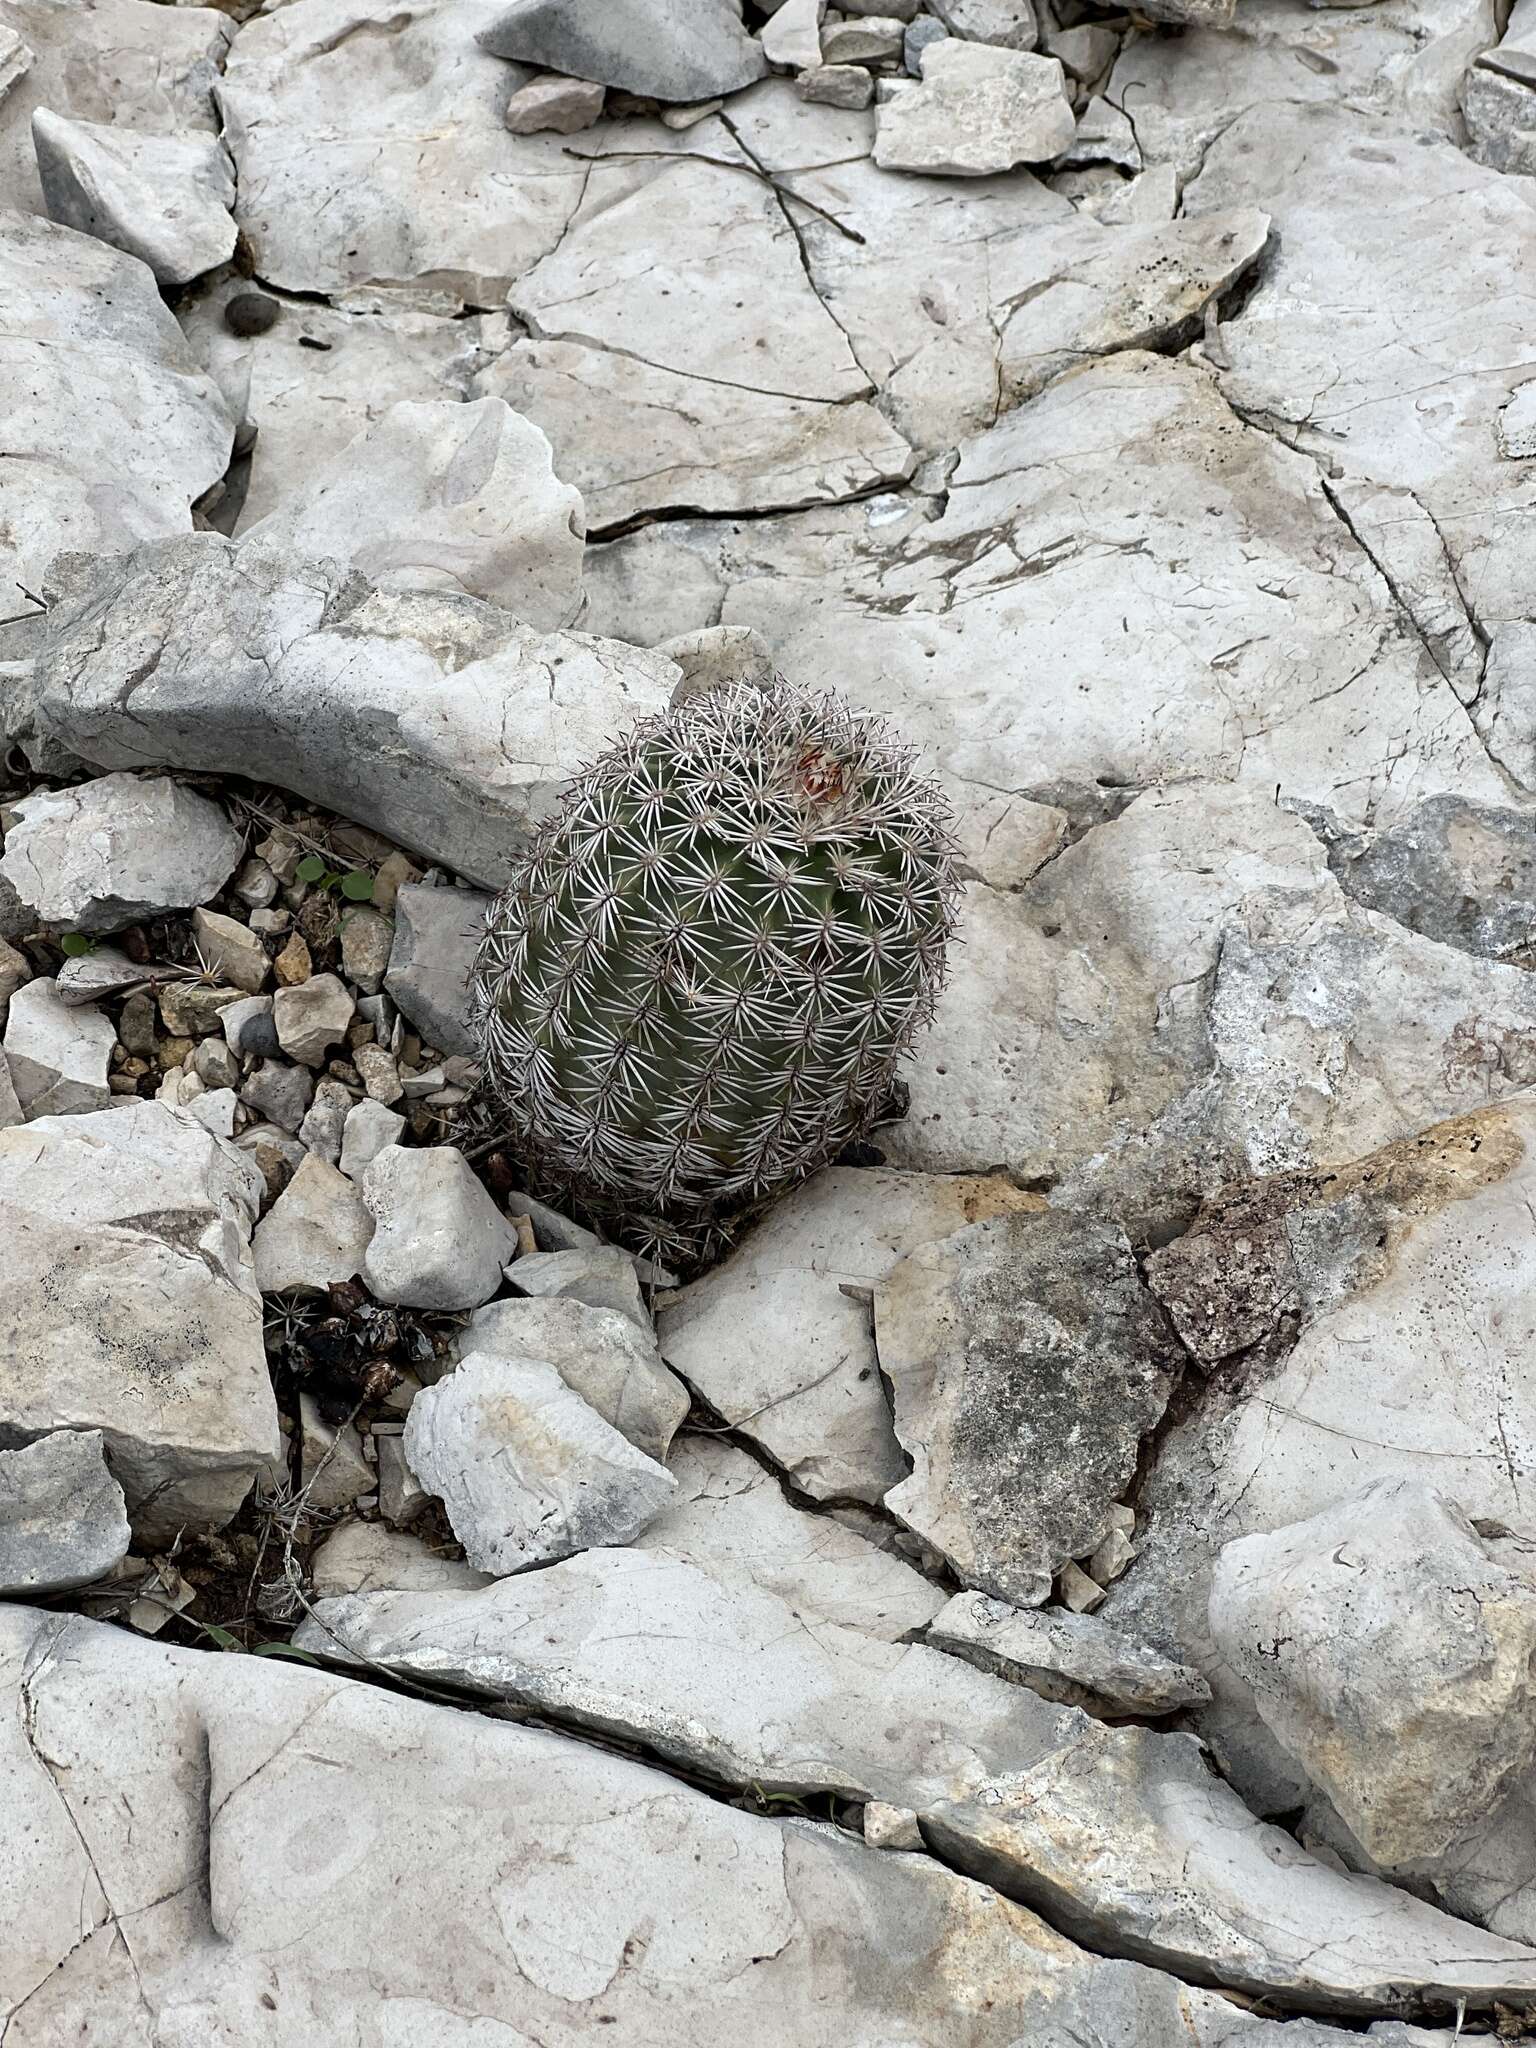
(699,987)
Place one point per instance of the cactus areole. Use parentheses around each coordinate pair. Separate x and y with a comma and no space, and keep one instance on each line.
(700,985)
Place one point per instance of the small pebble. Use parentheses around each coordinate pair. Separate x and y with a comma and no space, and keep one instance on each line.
(255,885)
(293,965)
(250,313)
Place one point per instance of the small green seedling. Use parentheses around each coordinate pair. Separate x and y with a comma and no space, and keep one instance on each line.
(353,883)
(75,945)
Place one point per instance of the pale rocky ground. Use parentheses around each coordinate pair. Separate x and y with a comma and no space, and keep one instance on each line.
(1068,1576)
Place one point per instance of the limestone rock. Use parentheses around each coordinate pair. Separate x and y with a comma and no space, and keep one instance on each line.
(232,950)
(836,85)
(163,198)
(977,110)
(785,1357)
(366,938)
(1027,1361)
(106,853)
(444,496)
(368,1129)
(1075,1659)
(791,36)
(279,1092)
(58,1054)
(1008,24)
(600,1275)
(312,1016)
(1501,119)
(440,1241)
(333,1472)
(130,1307)
(864,39)
(315,1232)
(247,653)
(61,1514)
(677,50)
(600,1355)
(526,1470)
(367,1557)
(437,934)
(1393,1658)
(563,106)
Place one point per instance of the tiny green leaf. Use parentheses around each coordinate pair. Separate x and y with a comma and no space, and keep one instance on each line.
(357,887)
(310,868)
(219,1635)
(283,1650)
(76,944)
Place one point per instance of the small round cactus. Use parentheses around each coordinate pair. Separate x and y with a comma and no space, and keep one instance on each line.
(700,985)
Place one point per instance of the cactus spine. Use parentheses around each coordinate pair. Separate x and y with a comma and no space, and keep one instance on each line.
(701,984)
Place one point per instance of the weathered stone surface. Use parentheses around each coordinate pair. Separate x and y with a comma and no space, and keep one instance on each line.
(1501,120)
(444,496)
(1027,1361)
(130,1307)
(437,934)
(864,39)
(599,1353)
(637,437)
(106,853)
(237,653)
(61,1514)
(231,949)
(367,1557)
(600,1275)
(791,36)
(57,1053)
(114,428)
(333,1472)
(772,1343)
(310,1017)
(279,1091)
(676,50)
(731,1517)
(563,106)
(977,110)
(1393,1658)
(1074,1659)
(368,1129)
(1010,24)
(440,1241)
(526,1470)
(162,198)
(836,85)
(530,1839)
(315,1232)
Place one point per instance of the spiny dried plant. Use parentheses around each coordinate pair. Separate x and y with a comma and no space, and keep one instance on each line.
(700,985)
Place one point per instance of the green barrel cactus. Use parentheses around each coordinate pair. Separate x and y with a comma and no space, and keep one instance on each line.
(701,984)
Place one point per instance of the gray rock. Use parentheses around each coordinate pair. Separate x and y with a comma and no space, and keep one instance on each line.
(891,1827)
(514,1822)
(791,36)
(784,1356)
(1009,24)
(562,106)
(366,936)
(1501,119)
(107,853)
(232,950)
(674,50)
(525,1469)
(1075,1659)
(552,1231)
(215,1065)
(719,658)
(311,1017)
(264,657)
(1215,14)
(193,1009)
(599,1354)
(1027,1361)
(130,1307)
(58,1055)
(367,1557)
(315,1232)
(279,1092)
(867,39)
(444,495)
(333,1473)
(61,1514)
(10,1106)
(921,31)
(368,1129)
(836,85)
(437,934)
(600,1275)
(977,110)
(1460,872)
(163,198)
(379,1072)
(15,973)
(1393,1658)
(216,1109)
(325,1120)
(440,1240)
(276,1154)
(1517,425)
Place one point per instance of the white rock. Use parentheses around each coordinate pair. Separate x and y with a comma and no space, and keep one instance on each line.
(486,718)
(130,1307)
(216,1110)
(600,1275)
(1501,119)
(599,1353)
(61,1514)
(1075,1659)
(333,1472)
(365,1557)
(563,106)
(791,36)
(978,110)
(325,1120)
(440,1241)
(445,496)
(1008,23)
(868,39)
(1517,424)
(163,198)
(677,50)
(315,1232)
(401,1496)
(891,1827)
(368,1129)
(525,1469)
(782,1354)
(312,1016)
(58,1054)
(437,934)
(109,852)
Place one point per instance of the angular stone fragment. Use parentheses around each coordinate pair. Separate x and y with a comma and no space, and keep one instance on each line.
(232,950)
(1027,1361)
(676,50)
(440,1241)
(437,934)
(444,496)
(366,1557)
(333,1472)
(1501,119)
(525,1469)
(977,110)
(278,1091)
(61,1514)
(129,1306)
(1007,24)
(1460,872)
(836,85)
(310,1018)
(867,39)
(57,1053)
(368,1129)
(103,854)
(562,106)
(1517,425)
(315,1232)
(791,36)
(163,198)
(1075,1659)
(600,1275)
(599,1353)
